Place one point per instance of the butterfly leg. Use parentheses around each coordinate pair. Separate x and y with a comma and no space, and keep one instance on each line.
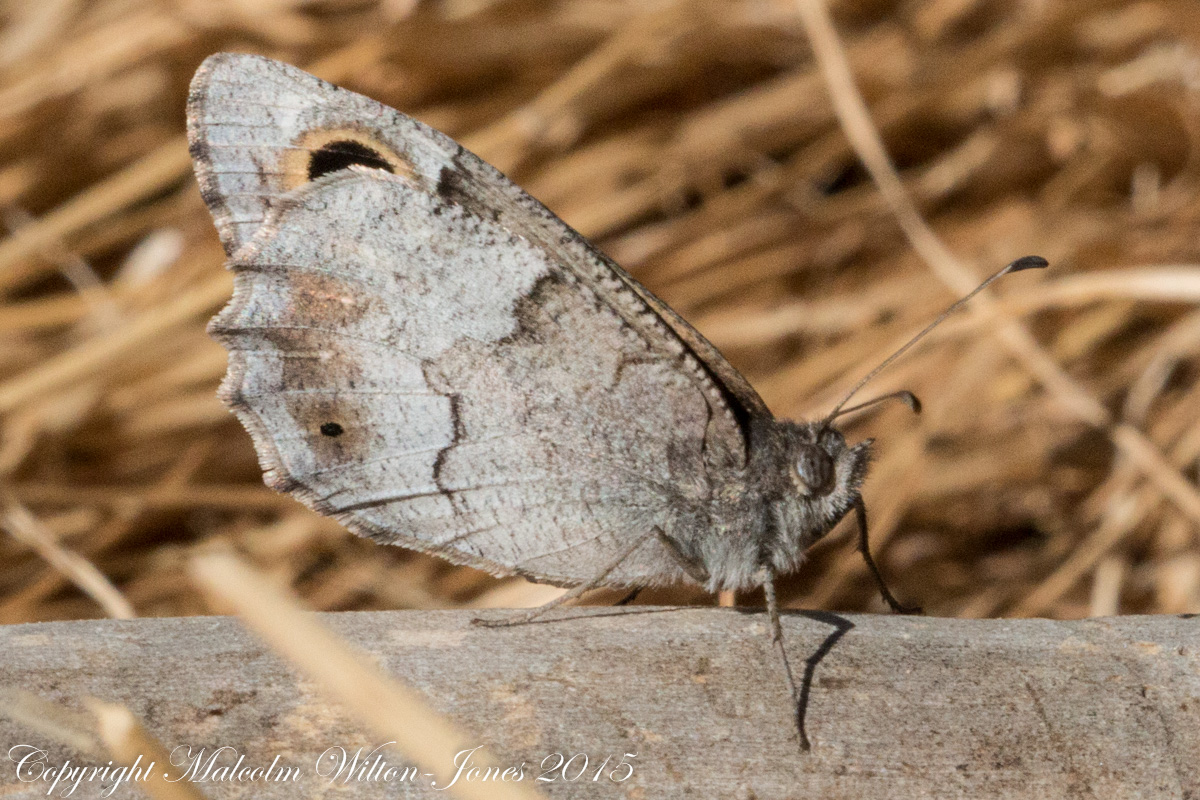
(597,580)
(860,511)
(777,641)
(694,569)
(629,598)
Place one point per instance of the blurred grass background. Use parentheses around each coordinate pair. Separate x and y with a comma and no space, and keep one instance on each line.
(1053,473)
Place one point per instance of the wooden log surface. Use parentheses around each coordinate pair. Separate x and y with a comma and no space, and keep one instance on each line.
(897,707)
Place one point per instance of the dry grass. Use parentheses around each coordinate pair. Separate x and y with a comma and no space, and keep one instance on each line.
(1054,471)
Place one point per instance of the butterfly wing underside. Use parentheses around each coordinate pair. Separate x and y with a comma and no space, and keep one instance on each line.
(423,351)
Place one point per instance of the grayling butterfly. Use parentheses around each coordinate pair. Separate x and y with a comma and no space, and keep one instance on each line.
(426,353)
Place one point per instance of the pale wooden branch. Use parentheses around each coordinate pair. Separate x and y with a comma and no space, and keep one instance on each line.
(897,707)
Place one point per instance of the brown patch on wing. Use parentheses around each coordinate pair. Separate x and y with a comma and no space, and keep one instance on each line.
(326,299)
(305,363)
(335,428)
(320,369)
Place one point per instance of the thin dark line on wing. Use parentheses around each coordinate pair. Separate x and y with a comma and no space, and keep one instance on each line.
(277,193)
(389,457)
(239,124)
(215,171)
(233,331)
(256,103)
(259,146)
(263,267)
(246,221)
(663,489)
(389,392)
(574,545)
(463,535)
(437,492)
(383,501)
(466,490)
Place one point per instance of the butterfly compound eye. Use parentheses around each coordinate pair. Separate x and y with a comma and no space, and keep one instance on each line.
(814,471)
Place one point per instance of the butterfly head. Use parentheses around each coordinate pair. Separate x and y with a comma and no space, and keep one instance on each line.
(823,468)
(816,479)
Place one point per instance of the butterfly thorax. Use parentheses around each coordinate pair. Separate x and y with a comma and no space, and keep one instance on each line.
(801,479)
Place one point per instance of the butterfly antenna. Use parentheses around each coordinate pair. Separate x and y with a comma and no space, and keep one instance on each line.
(1028,262)
(904,396)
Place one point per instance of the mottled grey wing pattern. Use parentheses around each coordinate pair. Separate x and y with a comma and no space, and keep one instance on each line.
(433,357)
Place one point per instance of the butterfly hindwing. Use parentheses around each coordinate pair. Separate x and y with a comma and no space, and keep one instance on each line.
(438,383)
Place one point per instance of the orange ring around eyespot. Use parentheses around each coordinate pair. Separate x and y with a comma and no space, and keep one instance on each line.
(296,161)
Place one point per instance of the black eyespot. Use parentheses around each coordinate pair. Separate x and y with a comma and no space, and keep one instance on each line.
(342,154)
(332,429)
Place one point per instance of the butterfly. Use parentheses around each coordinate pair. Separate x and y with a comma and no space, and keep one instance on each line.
(424,352)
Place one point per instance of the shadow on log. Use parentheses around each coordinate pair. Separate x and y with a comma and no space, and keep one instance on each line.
(895,707)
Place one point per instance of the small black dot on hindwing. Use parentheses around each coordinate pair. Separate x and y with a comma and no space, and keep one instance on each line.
(332,429)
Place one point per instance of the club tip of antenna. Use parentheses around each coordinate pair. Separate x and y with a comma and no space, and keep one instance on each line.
(910,400)
(1028,262)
